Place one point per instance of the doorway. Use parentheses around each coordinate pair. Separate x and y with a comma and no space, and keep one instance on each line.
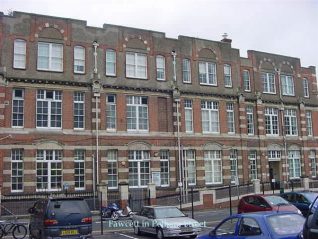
(275,173)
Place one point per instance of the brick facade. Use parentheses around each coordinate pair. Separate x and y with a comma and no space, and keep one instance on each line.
(164,99)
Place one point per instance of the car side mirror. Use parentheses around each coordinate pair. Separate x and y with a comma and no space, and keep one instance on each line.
(31,210)
(212,233)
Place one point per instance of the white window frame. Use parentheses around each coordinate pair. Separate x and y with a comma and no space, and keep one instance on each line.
(79,59)
(210,117)
(227,75)
(246,80)
(79,169)
(188,116)
(42,97)
(19,54)
(54,60)
(137,114)
(306,87)
(186,70)
(252,158)
(271,121)
(294,164)
(79,110)
(230,118)
(313,163)
(161,68)
(213,167)
(50,158)
(110,62)
(274,155)
(290,121)
(288,87)
(17,108)
(268,80)
(139,159)
(17,170)
(250,120)
(112,167)
(189,157)
(136,65)
(164,168)
(111,113)
(309,123)
(207,73)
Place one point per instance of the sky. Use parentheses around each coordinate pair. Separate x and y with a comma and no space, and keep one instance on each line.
(284,27)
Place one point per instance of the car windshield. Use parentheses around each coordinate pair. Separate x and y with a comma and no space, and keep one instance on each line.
(284,224)
(168,212)
(310,196)
(68,206)
(275,200)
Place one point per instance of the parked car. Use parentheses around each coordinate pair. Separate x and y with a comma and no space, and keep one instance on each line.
(259,225)
(256,203)
(310,230)
(60,218)
(302,200)
(165,221)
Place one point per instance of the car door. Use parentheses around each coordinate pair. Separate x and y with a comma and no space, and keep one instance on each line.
(142,218)
(227,229)
(302,203)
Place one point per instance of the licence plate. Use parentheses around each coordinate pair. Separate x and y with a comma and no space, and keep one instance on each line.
(186,229)
(69,232)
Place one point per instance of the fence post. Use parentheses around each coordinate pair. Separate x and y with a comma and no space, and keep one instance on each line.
(263,188)
(192,207)
(305,182)
(101,214)
(292,185)
(123,194)
(152,194)
(230,195)
(256,184)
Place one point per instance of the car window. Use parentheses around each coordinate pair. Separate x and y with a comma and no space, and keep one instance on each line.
(151,213)
(289,197)
(249,227)
(144,212)
(68,206)
(301,199)
(227,228)
(284,224)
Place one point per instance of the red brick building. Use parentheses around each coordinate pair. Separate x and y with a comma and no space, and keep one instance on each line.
(82,106)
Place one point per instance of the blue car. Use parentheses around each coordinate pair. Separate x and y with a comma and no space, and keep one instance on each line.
(259,225)
(301,200)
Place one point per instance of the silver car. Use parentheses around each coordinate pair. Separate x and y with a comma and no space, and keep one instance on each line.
(165,221)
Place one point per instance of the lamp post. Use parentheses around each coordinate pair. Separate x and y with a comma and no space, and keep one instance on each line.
(177,101)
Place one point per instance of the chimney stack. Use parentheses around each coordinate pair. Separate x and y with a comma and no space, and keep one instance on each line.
(225,39)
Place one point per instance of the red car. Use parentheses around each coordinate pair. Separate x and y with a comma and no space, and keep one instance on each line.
(256,203)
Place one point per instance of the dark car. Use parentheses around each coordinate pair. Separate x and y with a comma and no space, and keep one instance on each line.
(59,218)
(256,203)
(258,225)
(302,200)
(310,230)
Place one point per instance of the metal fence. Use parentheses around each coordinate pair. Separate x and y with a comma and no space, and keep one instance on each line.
(18,204)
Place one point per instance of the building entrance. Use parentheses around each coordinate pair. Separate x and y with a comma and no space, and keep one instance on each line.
(275,173)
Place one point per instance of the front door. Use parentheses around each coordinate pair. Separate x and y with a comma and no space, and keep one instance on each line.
(275,172)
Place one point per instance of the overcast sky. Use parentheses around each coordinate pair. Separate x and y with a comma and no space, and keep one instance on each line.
(285,27)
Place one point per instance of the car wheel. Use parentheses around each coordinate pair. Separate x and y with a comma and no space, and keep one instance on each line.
(160,234)
(137,230)
(115,216)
